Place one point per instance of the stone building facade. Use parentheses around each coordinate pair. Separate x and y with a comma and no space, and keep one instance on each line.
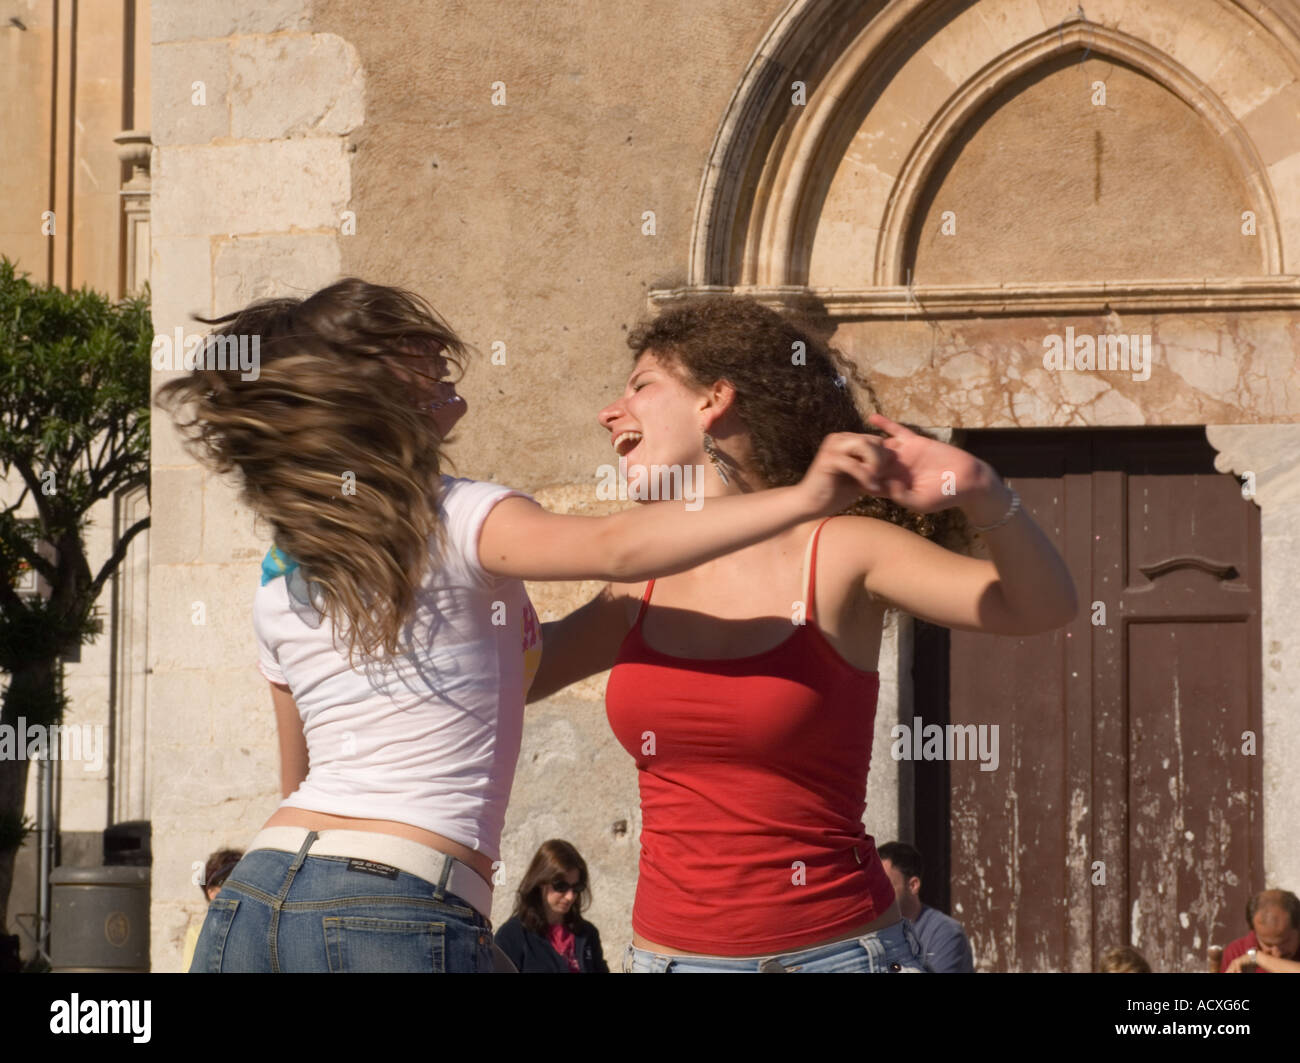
(958,184)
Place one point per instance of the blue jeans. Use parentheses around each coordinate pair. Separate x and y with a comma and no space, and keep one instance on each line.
(895,949)
(294,913)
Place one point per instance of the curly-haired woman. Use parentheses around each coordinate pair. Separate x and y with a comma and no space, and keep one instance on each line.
(393,625)
(752,735)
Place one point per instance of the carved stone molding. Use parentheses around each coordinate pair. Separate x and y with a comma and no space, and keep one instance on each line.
(135,149)
(756,205)
(947,125)
(1020,300)
(128,767)
(1270,451)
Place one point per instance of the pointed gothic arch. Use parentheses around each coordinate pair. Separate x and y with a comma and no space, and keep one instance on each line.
(759,199)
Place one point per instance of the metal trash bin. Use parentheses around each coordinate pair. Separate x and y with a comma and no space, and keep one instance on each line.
(99,919)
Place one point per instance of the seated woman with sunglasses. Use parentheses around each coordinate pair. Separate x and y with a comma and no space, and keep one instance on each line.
(546,934)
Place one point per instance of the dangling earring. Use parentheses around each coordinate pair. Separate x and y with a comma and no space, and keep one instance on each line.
(712,451)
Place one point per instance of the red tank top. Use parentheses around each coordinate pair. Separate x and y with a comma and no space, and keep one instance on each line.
(753,777)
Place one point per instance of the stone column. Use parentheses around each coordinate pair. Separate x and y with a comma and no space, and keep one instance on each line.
(250,119)
(134,149)
(1271,452)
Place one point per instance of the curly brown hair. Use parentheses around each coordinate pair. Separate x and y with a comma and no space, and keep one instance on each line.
(792,390)
(323,403)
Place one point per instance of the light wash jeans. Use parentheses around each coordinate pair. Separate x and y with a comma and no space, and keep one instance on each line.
(287,912)
(893,950)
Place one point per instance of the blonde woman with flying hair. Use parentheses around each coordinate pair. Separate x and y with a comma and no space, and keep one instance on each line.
(394,629)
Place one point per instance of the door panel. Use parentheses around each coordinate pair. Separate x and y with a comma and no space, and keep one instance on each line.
(1123,810)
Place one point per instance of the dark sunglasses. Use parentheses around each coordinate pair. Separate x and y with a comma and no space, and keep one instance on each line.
(560,886)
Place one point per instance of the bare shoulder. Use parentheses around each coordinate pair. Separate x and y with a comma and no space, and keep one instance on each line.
(855,543)
(627,596)
(852,547)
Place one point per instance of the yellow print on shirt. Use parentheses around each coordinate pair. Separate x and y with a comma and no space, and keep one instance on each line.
(531,643)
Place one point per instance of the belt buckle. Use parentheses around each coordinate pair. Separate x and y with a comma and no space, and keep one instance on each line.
(772,966)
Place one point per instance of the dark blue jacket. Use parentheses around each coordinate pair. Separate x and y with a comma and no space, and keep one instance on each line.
(533,954)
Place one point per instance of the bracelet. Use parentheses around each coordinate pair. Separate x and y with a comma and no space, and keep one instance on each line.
(1015,505)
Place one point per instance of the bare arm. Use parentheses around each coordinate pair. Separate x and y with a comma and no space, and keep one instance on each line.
(1024,590)
(293,746)
(581,644)
(1272,964)
(524,541)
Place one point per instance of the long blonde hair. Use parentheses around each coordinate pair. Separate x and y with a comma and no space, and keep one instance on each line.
(322,405)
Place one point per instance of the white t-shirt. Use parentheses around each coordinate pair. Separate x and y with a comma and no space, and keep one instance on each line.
(430,737)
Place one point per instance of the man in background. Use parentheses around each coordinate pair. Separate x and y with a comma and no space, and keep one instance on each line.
(1273,944)
(946,948)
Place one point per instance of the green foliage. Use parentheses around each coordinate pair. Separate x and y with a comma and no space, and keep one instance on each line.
(74,431)
(38,630)
(74,383)
(14,829)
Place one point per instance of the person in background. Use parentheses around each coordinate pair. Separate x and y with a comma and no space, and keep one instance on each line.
(943,941)
(218,867)
(1273,945)
(546,934)
(1123,959)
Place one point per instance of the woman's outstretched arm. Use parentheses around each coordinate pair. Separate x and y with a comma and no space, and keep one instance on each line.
(524,541)
(582,644)
(1025,590)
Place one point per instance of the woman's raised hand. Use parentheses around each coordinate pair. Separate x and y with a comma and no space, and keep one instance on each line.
(922,474)
(844,469)
(918,473)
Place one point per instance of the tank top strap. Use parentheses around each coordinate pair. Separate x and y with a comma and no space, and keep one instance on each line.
(645,600)
(810,567)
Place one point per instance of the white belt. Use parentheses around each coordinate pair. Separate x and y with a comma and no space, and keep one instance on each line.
(387,850)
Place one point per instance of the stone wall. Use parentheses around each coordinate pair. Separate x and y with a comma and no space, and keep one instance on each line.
(252,171)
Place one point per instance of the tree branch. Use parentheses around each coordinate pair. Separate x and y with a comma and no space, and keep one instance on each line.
(42,565)
(10,510)
(25,470)
(117,557)
(108,446)
(100,478)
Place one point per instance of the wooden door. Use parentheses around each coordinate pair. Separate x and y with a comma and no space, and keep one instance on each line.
(1126,806)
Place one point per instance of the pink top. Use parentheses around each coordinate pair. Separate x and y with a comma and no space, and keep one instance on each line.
(562,941)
